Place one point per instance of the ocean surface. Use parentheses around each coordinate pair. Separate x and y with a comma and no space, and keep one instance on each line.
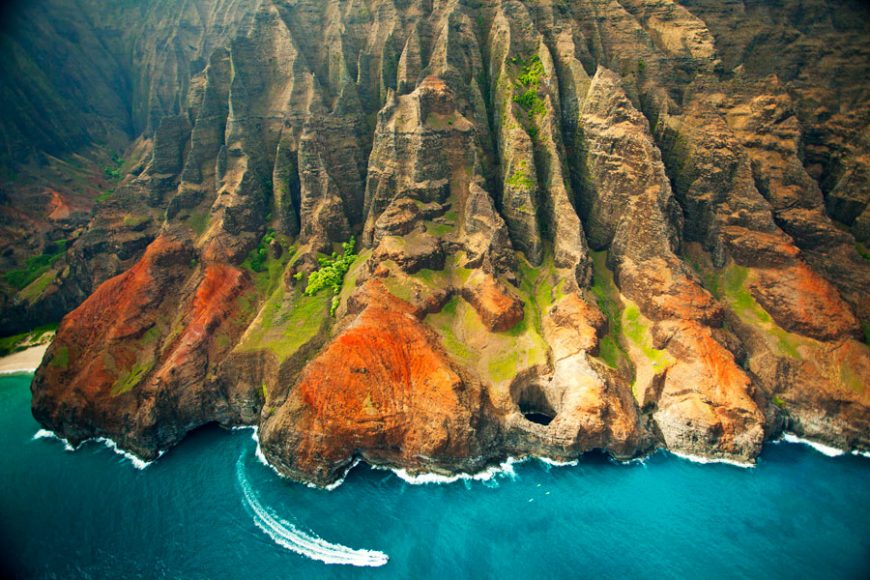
(210,509)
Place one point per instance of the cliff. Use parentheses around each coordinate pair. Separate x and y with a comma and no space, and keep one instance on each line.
(606,225)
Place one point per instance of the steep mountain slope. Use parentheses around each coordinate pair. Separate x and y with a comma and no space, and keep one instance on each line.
(581,225)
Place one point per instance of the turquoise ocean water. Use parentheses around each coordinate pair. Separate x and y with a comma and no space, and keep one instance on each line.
(210,509)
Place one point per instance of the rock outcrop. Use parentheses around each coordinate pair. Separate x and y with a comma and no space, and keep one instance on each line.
(579,226)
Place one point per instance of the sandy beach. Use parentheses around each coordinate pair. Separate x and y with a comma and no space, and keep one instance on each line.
(24,361)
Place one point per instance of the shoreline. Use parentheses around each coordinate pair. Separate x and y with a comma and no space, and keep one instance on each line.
(502,468)
(24,361)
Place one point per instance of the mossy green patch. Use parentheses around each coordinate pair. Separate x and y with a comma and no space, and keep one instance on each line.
(636,328)
(36,288)
(352,276)
(104,196)
(520,180)
(607,296)
(133,377)
(286,322)
(267,270)
(132,221)
(444,323)
(852,379)
(60,359)
(497,356)
(733,280)
(36,266)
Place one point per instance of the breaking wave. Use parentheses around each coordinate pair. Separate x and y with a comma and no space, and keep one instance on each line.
(292,538)
(137,462)
(820,447)
(700,459)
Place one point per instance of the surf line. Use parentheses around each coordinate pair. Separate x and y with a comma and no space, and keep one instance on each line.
(292,538)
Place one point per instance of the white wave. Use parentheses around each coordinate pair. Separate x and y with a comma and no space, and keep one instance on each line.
(305,544)
(505,468)
(46,434)
(21,371)
(820,447)
(864,454)
(137,462)
(705,460)
(557,463)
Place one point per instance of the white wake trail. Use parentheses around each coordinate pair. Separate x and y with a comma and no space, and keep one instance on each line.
(305,544)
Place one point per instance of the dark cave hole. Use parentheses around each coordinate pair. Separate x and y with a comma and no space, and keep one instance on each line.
(537,417)
(534,405)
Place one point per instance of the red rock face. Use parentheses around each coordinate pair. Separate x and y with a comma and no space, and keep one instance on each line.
(123,368)
(101,336)
(382,390)
(213,303)
(802,301)
(498,309)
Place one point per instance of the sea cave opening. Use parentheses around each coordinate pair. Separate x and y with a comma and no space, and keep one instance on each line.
(535,406)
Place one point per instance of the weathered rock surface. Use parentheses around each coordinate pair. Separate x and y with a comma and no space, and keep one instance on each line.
(608,225)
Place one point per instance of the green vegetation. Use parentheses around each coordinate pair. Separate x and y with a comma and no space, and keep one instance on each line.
(701,265)
(862,250)
(199,221)
(537,291)
(636,327)
(520,179)
(331,274)
(607,296)
(20,341)
(132,221)
(529,83)
(287,321)
(778,402)
(738,296)
(36,266)
(500,356)
(61,358)
(133,377)
(259,257)
(444,323)
(865,326)
(266,269)
(35,289)
(105,195)
(113,171)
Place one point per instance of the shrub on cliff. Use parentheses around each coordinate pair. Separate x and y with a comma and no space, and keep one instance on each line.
(331,273)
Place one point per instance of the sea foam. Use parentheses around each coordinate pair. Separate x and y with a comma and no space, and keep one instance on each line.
(292,538)
(820,447)
(137,462)
(46,434)
(505,469)
(706,460)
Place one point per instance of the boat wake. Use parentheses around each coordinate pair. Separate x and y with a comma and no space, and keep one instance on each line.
(292,538)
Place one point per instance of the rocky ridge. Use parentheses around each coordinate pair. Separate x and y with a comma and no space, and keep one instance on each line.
(595,225)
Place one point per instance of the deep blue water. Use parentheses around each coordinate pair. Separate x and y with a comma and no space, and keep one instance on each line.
(205,508)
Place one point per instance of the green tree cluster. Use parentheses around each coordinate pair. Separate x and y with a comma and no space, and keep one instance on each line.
(331,273)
